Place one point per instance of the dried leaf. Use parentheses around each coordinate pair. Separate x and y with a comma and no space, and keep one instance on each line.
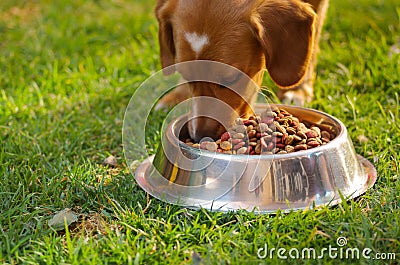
(59,219)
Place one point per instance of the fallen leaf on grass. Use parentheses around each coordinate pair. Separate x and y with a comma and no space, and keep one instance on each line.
(110,161)
(59,219)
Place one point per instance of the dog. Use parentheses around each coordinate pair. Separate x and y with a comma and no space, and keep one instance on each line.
(280,36)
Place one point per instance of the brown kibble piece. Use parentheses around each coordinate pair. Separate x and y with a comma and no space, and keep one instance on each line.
(236,141)
(289,140)
(313,144)
(291,130)
(211,146)
(251,133)
(225,136)
(289,149)
(241,150)
(240,128)
(311,134)
(301,134)
(325,134)
(238,136)
(300,147)
(239,145)
(226,145)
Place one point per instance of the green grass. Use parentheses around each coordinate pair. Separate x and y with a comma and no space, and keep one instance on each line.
(67,71)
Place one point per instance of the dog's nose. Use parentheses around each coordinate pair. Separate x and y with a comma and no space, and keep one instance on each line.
(213,110)
(203,128)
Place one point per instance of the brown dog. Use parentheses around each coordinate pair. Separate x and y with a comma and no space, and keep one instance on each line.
(251,35)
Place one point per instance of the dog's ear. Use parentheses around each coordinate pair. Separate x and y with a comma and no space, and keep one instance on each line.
(164,10)
(285,30)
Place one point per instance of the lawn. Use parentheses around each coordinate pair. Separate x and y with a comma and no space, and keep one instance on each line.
(67,72)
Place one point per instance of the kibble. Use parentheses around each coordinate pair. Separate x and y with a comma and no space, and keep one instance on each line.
(241,150)
(210,146)
(226,145)
(238,136)
(275,131)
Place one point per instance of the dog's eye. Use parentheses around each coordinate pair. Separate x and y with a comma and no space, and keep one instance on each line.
(229,80)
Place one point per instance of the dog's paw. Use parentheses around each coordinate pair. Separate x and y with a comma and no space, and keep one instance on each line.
(298,96)
(166,103)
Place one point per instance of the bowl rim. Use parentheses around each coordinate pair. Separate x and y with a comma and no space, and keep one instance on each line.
(150,179)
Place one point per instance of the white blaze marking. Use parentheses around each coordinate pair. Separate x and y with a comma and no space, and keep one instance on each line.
(196,42)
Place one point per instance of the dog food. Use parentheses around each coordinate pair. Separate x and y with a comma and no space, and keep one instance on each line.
(275,131)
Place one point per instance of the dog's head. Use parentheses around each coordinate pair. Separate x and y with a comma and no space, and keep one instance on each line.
(249,35)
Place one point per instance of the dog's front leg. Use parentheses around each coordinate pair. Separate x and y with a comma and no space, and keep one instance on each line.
(174,97)
(304,92)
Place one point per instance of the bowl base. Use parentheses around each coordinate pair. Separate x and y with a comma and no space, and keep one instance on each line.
(155,184)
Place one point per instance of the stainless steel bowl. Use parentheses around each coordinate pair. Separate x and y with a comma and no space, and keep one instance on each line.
(180,174)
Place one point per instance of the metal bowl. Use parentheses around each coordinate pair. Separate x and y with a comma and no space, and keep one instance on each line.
(183,175)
